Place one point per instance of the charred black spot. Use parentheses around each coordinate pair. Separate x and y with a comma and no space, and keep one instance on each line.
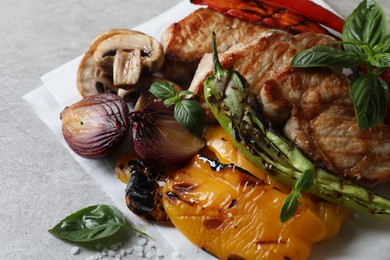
(171,195)
(214,164)
(232,203)
(143,195)
(236,133)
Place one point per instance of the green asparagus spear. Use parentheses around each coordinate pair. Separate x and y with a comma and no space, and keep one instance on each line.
(238,112)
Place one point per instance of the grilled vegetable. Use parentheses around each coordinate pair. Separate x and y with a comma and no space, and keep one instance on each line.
(94,126)
(152,130)
(238,112)
(234,215)
(262,12)
(143,193)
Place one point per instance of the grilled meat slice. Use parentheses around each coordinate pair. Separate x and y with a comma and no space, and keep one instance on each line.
(313,106)
(257,60)
(186,41)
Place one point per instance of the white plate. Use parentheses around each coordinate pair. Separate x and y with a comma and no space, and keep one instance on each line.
(361,237)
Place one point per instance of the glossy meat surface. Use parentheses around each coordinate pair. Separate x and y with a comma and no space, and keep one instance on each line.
(312,106)
(186,41)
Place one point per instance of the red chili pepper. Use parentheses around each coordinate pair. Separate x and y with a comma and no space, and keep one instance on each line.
(263,13)
(311,10)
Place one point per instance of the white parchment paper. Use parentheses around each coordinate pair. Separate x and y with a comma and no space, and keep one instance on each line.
(361,237)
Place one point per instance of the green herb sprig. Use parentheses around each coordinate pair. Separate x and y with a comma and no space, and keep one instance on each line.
(187,111)
(290,205)
(366,43)
(92,223)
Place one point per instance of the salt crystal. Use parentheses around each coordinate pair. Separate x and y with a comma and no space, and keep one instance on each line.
(75,250)
(111,252)
(161,183)
(122,252)
(148,255)
(97,256)
(142,242)
(139,250)
(129,250)
(117,257)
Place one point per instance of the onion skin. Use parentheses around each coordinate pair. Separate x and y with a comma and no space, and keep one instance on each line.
(158,138)
(96,125)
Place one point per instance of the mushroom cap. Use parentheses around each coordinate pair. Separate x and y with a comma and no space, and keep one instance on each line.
(115,61)
(152,53)
(88,74)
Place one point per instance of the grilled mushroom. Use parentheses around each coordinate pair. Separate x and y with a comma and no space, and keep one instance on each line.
(115,61)
(125,56)
(90,79)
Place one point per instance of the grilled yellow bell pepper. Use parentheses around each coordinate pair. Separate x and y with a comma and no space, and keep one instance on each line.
(224,209)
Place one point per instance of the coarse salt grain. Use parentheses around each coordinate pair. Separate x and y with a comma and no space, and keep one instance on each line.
(122,252)
(129,250)
(148,255)
(75,250)
(111,252)
(142,242)
(139,250)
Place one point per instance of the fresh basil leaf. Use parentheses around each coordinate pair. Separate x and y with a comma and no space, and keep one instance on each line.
(381,60)
(89,224)
(366,24)
(289,207)
(188,113)
(326,56)
(162,90)
(171,101)
(369,95)
(305,181)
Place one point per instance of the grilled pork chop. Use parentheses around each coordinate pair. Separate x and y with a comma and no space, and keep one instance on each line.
(186,41)
(312,106)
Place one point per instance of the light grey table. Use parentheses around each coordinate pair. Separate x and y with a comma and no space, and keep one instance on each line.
(40,182)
